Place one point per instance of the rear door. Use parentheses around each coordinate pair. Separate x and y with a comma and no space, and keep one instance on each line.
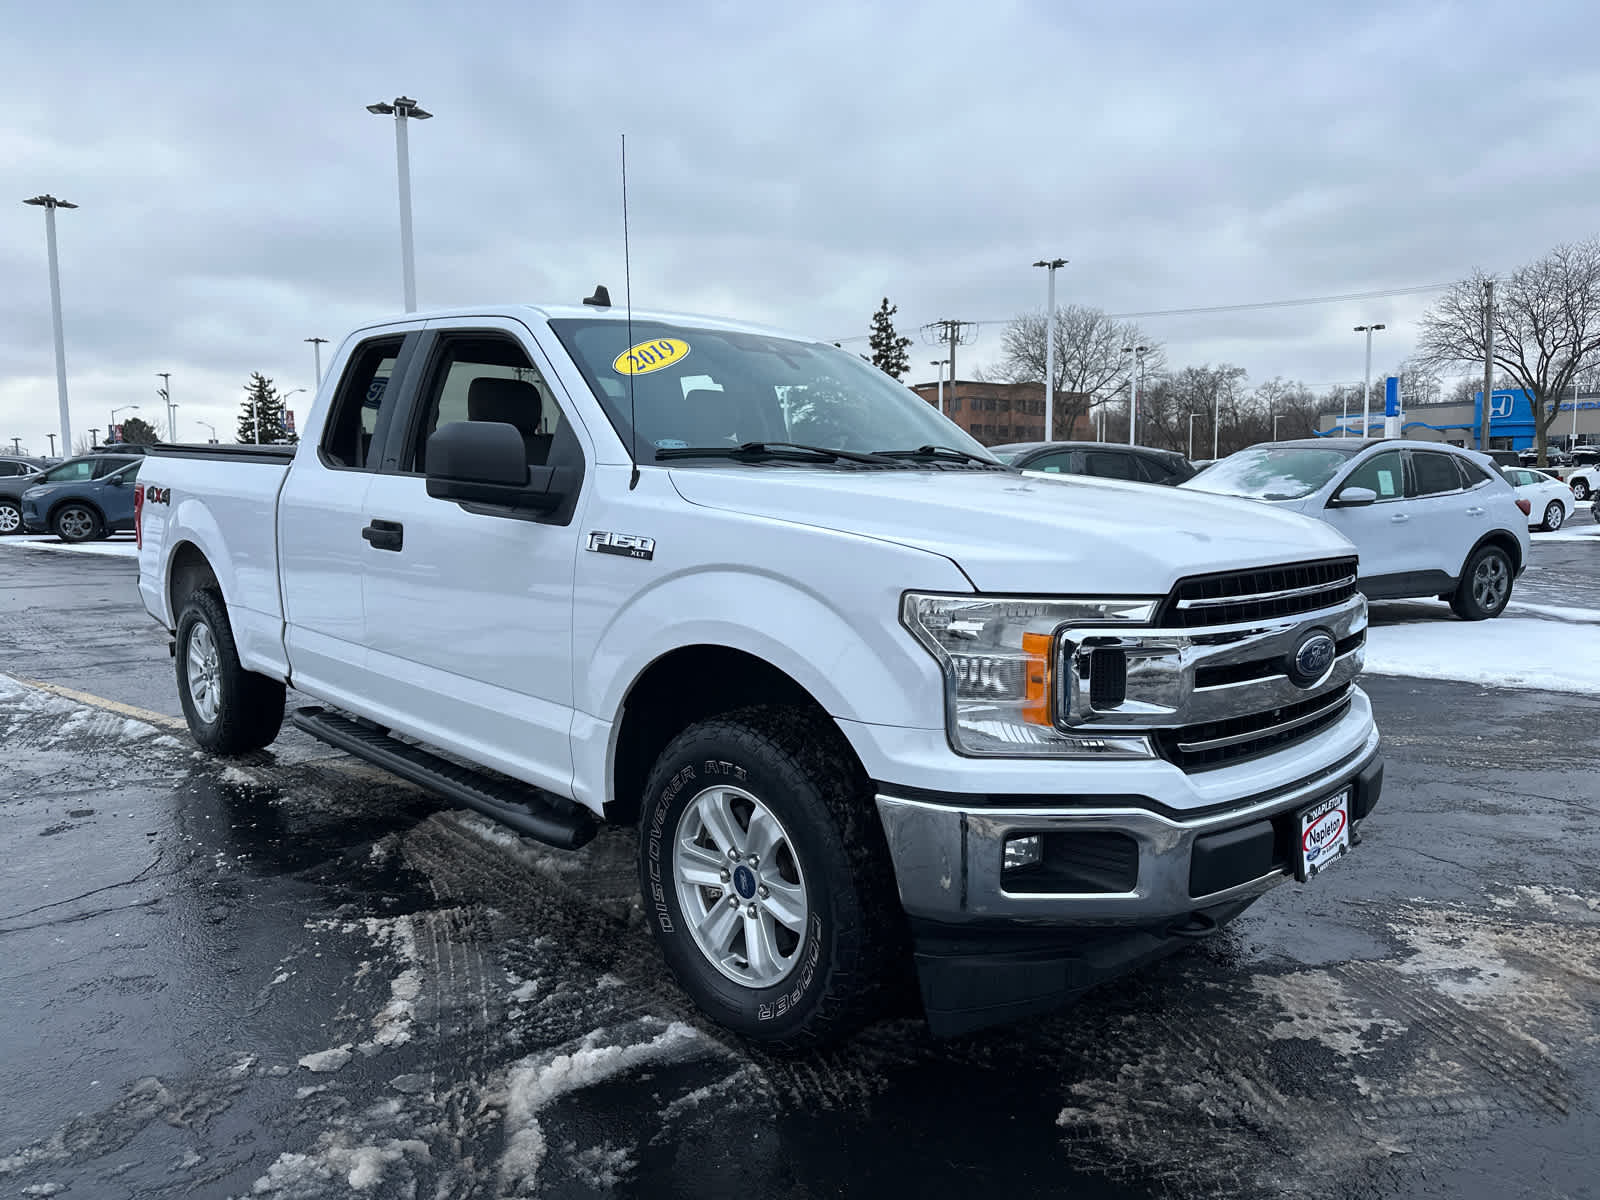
(1112,464)
(321,513)
(1382,531)
(469,614)
(1449,519)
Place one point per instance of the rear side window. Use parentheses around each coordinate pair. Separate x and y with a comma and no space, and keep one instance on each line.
(1110,465)
(1383,473)
(1471,473)
(347,440)
(1434,473)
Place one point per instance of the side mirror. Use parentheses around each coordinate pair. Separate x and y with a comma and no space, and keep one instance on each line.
(1353,497)
(486,462)
(115,480)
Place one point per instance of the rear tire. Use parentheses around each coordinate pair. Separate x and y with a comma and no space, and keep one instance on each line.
(1580,489)
(1555,515)
(76,523)
(801,942)
(10,517)
(230,710)
(1485,587)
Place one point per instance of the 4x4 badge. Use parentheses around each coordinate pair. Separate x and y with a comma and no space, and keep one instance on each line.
(629,545)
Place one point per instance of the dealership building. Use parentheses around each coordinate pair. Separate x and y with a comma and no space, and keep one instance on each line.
(1510,421)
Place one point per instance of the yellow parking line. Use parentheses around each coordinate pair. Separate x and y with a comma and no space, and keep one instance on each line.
(116,706)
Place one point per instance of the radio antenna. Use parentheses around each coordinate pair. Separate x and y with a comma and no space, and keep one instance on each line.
(627,287)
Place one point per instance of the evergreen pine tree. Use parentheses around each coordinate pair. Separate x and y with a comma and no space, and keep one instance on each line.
(888,347)
(262,403)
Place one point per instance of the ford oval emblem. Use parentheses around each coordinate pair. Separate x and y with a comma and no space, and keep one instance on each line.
(1311,658)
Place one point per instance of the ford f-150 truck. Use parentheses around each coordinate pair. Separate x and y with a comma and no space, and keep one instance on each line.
(871,699)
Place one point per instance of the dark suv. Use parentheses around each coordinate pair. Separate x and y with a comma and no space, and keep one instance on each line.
(83,469)
(1106,460)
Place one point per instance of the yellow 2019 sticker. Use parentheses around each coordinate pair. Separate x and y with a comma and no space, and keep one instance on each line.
(650,356)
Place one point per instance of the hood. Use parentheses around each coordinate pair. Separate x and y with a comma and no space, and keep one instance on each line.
(1016,533)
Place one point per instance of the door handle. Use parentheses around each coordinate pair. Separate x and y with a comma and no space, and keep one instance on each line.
(1399,518)
(1475,511)
(385,535)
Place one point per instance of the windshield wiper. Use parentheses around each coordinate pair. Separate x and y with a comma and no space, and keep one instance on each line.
(944,452)
(755,451)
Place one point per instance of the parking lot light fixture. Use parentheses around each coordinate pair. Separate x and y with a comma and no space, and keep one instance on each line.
(1051,265)
(403,108)
(1366,380)
(50,203)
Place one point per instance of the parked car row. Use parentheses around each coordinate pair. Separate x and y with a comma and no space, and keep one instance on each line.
(83,498)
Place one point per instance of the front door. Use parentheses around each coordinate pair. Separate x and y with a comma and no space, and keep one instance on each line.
(1383,531)
(469,614)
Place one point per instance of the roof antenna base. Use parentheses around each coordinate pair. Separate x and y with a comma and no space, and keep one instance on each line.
(601,297)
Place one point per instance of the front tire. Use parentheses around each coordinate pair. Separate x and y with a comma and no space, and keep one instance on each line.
(77,523)
(1485,587)
(1580,489)
(767,879)
(1554,516)
(10,518)
(230,710)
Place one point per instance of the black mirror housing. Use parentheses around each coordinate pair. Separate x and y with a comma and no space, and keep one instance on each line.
(486,463)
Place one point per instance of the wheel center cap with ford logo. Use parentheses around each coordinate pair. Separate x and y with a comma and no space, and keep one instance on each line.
(744,882)
(1311,658)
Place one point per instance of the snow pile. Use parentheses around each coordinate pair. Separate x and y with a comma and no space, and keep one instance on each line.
(326,1060)
(1518,652)
(393,1022)
(539,1080)
(49,541)
(305,1176)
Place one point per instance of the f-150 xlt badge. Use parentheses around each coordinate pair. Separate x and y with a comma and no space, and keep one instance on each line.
(629,545)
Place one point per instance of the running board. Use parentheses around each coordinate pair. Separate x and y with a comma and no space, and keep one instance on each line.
(524,808)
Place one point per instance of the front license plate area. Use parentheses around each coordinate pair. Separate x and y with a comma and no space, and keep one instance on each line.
(1322,835)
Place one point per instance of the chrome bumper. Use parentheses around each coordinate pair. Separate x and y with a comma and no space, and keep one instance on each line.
(948,855)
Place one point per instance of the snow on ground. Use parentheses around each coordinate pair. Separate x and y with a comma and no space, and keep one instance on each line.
(114,547)
(1520,652)
(1583,533)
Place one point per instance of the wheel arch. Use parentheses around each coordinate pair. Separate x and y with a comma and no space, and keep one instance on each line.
(1505,540)
(188,571)
(82,501)
(681,687)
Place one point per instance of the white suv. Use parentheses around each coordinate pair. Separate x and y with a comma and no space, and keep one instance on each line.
(1427,520)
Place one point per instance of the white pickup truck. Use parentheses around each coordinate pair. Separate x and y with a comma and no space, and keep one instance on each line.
(869,698)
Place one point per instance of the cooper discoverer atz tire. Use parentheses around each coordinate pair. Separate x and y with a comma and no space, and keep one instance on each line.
(766,879)
(230,710)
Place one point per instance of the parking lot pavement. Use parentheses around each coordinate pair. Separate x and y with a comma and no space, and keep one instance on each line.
(290,976)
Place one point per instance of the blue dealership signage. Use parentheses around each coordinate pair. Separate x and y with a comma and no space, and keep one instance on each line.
(1391,396)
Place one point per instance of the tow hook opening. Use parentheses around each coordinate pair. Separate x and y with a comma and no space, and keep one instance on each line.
(1195,925)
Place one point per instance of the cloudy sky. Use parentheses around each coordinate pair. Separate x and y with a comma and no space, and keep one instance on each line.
(790,164)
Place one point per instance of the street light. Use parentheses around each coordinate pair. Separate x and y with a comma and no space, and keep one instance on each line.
(209,426)
(1051,265)
(1366,380)
(402,108)
(111,428)
(316,346)
(938,365)
(165,392)
(49,203)
(1138,353)
(1192,416)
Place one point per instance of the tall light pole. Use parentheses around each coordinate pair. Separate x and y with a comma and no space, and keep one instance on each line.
(52,438)
(209,426)
(1051,265)
(111,428)
(165,392)
(49,203)
(1275,421)
(1366,380)
(1192,416)
(938,365)
(316,346)
(401,109)
(1138,353)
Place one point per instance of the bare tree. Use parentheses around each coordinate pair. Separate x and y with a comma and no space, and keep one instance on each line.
(1090,365)
(85,442)
(1546,327)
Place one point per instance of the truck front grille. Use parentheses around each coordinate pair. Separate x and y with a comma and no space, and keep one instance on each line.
(1230,597)
(1221,743)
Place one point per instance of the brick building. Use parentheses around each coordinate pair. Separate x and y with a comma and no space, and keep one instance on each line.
(997,413)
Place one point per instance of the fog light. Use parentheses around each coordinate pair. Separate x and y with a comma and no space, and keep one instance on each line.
(1024,852)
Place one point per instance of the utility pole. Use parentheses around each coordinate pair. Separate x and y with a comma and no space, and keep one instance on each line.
(1366,380)
(402,108)
(951,333)
(316,346)
(1051,265)
(938,367)
(165,392)
(50,204)
(16,446)
(1488,364)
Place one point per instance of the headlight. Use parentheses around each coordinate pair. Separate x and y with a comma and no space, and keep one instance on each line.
(1000,658)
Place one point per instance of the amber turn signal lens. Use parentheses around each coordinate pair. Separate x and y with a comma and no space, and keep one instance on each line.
(1036,651)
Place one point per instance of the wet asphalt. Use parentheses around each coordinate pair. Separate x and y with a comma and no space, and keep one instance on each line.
(292,976)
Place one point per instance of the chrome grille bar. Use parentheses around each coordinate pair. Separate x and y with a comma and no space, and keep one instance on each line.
(1254,597)
(1265,731)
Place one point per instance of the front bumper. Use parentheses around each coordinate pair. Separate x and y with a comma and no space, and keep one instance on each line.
(32,519)
(1139,880)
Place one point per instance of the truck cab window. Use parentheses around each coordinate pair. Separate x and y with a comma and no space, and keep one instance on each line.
(347,440)
(485,378)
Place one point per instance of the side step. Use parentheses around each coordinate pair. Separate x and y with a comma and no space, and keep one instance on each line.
(526,809)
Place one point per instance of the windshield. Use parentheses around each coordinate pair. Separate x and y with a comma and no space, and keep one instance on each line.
(1272,472)
(709,388)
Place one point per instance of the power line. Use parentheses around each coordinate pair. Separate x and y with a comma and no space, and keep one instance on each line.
(1343,297)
